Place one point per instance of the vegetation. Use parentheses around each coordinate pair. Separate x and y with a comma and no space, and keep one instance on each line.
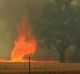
(63,26)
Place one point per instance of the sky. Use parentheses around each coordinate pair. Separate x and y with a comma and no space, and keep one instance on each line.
(12,11)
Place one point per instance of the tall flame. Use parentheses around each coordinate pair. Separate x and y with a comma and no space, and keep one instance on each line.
(25,44)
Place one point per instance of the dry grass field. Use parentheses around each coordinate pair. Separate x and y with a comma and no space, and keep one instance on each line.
(40,68)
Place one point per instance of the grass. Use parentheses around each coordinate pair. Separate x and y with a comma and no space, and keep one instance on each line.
(40,68)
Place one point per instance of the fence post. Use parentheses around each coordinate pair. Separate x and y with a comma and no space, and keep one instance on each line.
(29,65)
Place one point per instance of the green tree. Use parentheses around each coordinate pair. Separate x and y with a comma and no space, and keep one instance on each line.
(62,29)
(76,23)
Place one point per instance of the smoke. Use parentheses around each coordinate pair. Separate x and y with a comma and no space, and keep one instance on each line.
(12,11)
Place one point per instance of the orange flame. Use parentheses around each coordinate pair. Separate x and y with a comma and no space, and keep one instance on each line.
(25,44)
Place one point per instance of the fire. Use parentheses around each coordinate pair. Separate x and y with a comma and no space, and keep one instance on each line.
(25,44)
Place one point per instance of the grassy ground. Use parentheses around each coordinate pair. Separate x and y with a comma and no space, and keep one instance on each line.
(40,68)
(54,72)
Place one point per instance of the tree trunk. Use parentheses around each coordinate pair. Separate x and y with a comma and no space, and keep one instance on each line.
(62,57)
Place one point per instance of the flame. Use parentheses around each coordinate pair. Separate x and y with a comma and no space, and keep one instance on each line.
(25,44)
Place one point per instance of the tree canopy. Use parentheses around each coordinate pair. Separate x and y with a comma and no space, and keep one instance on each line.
(62,23)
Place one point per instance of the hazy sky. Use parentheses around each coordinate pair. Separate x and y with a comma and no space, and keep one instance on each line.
(10,12)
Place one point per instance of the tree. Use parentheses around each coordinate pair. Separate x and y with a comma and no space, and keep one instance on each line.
(76,23)
(60,24)
(59,17)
